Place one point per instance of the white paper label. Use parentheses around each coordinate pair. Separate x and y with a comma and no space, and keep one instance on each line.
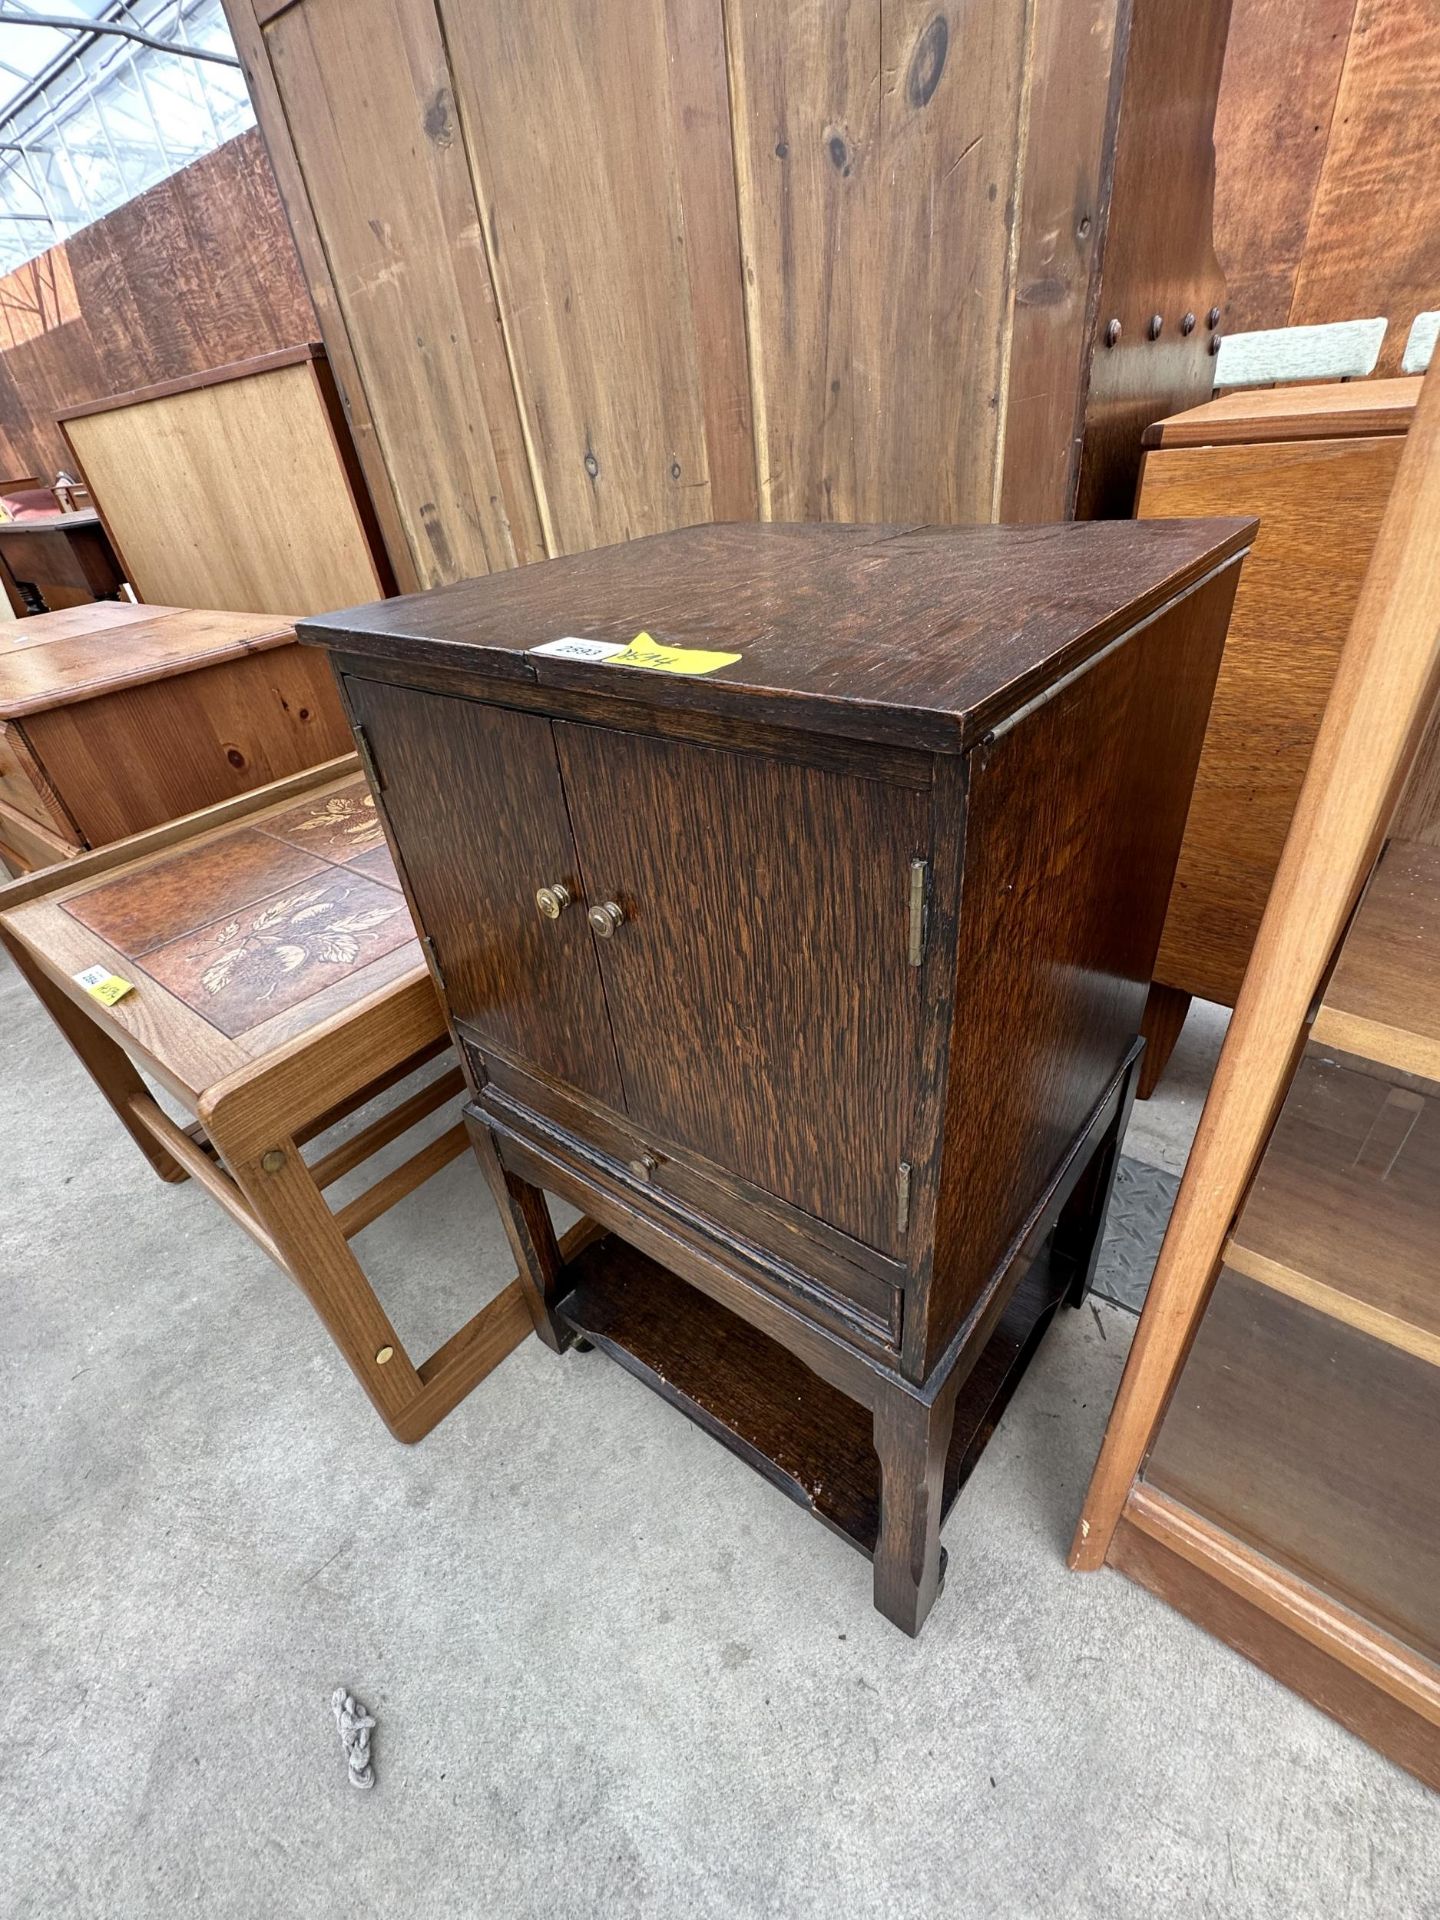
(571,649)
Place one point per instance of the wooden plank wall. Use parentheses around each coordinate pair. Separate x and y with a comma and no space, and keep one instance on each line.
(193,274)
(1327,194)
(586,272)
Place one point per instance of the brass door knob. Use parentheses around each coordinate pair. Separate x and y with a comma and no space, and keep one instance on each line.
(604,920)
(552,901)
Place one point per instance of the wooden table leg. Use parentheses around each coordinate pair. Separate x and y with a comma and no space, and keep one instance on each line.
(107,1063)
(912,1440)
(286,1201)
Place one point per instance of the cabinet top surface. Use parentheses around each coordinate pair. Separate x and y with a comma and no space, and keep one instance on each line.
(79,653)
(929,635)
(1331,409)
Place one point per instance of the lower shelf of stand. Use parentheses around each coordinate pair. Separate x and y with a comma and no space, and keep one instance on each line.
(803,1435)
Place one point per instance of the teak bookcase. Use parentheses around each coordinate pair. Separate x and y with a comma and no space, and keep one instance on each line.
(1271,1463)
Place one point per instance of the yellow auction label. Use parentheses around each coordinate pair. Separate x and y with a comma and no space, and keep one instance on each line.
(649,654)
(104,986)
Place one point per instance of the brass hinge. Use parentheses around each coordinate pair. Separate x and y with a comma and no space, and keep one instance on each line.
(902,1197)
(367,758)
(919,885)
(429,945)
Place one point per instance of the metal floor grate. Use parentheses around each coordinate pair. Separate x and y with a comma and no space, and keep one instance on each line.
(1139,1210)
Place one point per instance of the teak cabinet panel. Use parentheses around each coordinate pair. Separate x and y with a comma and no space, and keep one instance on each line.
(760,990)
(526,985)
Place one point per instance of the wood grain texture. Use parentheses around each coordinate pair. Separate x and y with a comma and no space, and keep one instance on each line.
(230,495)
(1273,124)
(246,32)
(1324,412)
(799,1078)
(620,300)
(1314,1444)
(149,753)
(1075,818)
(949,629)
(1385,691)
(1383,999)
(58,660)
(197,271)
(1374,245)
(525,984)
(1345,1206)
(877,149)
(1320,504)
(1326,206)
(1373,1685)
(1157,257)
(1064,187)
(403,243)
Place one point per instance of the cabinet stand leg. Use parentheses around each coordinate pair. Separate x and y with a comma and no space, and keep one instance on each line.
(912,1440)
(526,1220)
(1164,1016)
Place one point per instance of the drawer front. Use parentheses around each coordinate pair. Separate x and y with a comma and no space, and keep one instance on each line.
(472,797)
(23,787)
(838,1282)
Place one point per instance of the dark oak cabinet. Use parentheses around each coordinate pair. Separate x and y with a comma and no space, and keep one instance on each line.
(814,979)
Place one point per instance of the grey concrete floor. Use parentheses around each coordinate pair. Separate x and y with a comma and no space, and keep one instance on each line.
(614,1672)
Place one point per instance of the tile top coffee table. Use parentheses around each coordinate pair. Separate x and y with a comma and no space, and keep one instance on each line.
(275,984)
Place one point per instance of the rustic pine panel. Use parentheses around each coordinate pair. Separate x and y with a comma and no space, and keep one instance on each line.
(196,273)
(877,154)
(601,144)
(1374,240)
(366,92)
(1272,125)
(1070,67)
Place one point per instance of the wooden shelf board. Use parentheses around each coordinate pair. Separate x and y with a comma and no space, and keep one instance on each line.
(1344,1211)
(1383,1001)
(797,1431)
(1313,1445)
(1424,1344)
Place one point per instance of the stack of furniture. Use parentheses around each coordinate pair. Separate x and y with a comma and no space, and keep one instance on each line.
(116,717)
(1316,465)
(1270,1465)
(801,940)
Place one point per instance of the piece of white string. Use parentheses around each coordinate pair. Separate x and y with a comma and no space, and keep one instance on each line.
(356,1723)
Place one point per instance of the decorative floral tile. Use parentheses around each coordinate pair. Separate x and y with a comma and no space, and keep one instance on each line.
(337,828)
(244,967)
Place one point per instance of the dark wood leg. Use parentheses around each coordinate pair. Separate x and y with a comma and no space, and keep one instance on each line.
(1081,1226)
(912,1440)
(526,1220)
(1164,1016)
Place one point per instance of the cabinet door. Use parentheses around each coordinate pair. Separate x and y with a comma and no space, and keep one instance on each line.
(473,797)
(764,1011)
